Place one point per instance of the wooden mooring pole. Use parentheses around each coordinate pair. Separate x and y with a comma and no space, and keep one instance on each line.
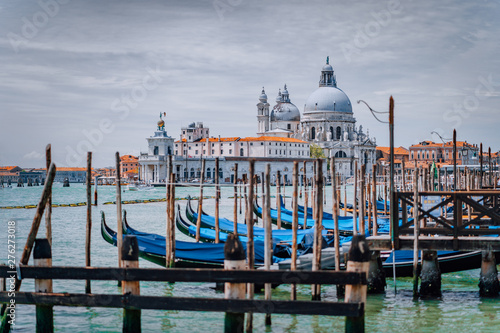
(200,201)
(130,259)
(119,227)
(48,209)
(295,225)
(416,231)
(318,226)
(250,241)
(278,198)
(217,202)
(42,256)
(234,258)
(268,245)
(88,231)
(306,196)
(235,208)
(359,256)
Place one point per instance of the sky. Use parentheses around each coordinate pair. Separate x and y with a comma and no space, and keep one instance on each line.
(95,75)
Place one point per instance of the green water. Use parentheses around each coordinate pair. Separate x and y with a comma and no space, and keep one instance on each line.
(460,309)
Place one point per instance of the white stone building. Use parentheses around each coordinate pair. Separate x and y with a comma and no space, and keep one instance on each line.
(194,145)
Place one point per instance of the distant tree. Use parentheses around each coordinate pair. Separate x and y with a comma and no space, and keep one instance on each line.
(316,151)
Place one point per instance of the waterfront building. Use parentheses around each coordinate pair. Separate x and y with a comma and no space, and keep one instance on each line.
(129,166)
(427,152)
(194,145)
(327,121)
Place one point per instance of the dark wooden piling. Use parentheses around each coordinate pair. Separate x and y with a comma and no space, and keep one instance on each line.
(262,183)
(359,256)
(278,198)
(318,226)
(235,208)
(374,199)
(119,227)
(306,195)
(416,231)
(234,258)
(455,160)
(355,200)
(200,201)
(295,226)
(171,261)
(42,256)
(335,214)
(489,285)
(88,230)
(130,259)
(170,209)
(268,245)
(430,276)
(217,202)
(48,209)
(95,191)
(250,242)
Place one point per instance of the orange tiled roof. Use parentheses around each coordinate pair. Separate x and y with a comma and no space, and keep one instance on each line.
(71,169)
(129,158)
(397,150)
(431,144)
(8,168)
(273,138)
(229,139)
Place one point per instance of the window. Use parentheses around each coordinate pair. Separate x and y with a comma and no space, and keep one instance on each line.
(270,152)
(339,132)
(313,133)
(262,143)
(230,151)
(340,154)
(221,151)
(155,150)
(213,151)
(242,154)
(196,152)
(289,126)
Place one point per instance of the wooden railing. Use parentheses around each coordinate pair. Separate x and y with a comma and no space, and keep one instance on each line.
(132,302)
(481,207)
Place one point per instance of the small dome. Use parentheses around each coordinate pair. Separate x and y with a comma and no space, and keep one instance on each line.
(327,68)
(285,112)
(263,96)
(329,99)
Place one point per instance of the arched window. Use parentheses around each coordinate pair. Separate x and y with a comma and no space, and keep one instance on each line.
(192,172)
(366,158)
(169,150)
(339,132)
(313,133)
(220,173)
(198,173)
(340,154)
(209,174)
(418,155)
(215,174)
(155,150)
(331,132)
(185,173)
(242,152)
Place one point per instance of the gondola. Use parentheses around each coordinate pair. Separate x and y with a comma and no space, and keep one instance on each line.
(345,224)
(187,254)
(449,261)
(227,226)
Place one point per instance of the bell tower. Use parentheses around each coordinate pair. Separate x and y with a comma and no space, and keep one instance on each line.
(263,113)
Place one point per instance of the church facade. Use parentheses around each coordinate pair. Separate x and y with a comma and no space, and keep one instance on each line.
(327,121)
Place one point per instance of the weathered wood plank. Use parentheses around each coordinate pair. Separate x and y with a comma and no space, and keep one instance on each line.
(188,275)
(442,243)
(189,304)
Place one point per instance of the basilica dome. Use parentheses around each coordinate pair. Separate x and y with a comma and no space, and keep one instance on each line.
(329,99)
